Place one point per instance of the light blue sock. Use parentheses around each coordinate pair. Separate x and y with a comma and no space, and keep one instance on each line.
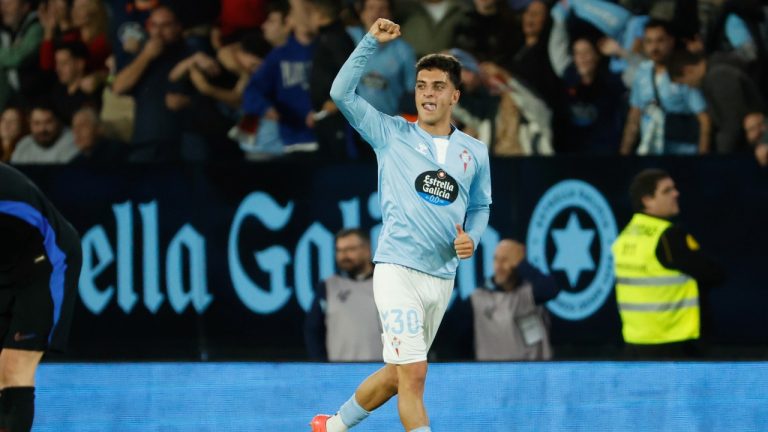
(423,429)
(352,413)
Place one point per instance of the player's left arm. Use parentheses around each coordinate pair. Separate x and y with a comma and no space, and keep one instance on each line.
(478,210)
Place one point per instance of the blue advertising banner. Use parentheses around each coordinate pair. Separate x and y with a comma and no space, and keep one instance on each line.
(221,261)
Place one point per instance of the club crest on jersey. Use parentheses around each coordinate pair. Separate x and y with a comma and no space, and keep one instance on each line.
(437,187)
(396,345)
(466,158)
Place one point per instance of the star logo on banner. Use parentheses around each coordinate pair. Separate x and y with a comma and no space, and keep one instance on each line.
(573,245)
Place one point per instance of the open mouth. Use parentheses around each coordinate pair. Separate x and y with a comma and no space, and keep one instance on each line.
(430,107)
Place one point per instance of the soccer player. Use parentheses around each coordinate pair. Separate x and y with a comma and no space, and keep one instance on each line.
(435,191)
(40,260)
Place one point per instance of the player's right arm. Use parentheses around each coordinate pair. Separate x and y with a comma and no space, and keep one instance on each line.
(370,123)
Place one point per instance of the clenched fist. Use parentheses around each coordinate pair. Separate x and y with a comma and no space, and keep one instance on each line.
(384,30)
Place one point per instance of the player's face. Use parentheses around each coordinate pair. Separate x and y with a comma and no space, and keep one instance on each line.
(352,254)
(663,203)
(435,96)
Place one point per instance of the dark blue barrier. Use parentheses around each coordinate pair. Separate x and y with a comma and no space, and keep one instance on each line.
(202,262)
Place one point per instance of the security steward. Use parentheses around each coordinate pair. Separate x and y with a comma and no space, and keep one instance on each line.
(659,271)
(40,260)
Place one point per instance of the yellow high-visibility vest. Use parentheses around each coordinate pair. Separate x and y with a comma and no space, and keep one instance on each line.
(657,305)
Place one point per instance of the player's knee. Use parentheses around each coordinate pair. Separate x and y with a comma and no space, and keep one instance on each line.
(411,377)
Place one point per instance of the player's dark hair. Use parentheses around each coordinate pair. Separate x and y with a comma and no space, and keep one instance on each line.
(644,185)
(444,62)
(346,232)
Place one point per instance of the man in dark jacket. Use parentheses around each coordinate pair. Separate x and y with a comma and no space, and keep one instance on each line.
(730,93)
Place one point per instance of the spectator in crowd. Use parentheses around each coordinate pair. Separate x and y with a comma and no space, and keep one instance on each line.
(508,318)
(274,28)
(618,32)
(730,93)
(13,127)
(524,122)
(93,147)
(429,25)
(68,94)
(20,37)
(756,127)
(476,111)
(204,124)
(742,29)
(530,63)
(158,102)
(388,81)
(49,141)
(670,117)
(343,323)
(593,95)
(490,32)
(237,19)
(332,47)
(660,271)
(88,24)
(117,111)
(128,18)
(55,18)
(277,109)
(236,66)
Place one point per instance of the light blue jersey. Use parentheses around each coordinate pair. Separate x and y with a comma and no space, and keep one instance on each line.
(424,192)
(675,97)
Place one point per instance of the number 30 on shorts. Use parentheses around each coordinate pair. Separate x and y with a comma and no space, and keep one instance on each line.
(397,321)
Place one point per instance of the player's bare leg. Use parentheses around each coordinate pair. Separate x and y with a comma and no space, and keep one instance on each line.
(410,399)
(378,388)
(17,381)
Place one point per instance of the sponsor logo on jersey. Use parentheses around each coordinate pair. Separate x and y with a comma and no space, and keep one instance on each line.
(437,187)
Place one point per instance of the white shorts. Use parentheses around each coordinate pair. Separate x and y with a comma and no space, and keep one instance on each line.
(411,305)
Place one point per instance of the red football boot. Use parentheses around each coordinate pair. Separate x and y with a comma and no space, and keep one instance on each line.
(318,423)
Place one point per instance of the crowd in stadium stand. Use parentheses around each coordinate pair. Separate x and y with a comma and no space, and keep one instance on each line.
(99,81)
